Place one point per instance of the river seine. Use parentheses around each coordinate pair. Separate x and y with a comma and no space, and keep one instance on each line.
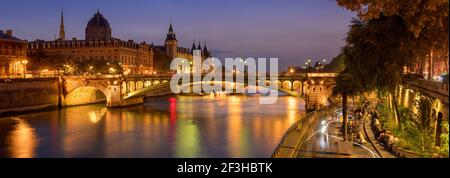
(172,126)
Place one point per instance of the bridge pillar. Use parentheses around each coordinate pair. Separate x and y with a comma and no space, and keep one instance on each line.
(114,95)
(317,96)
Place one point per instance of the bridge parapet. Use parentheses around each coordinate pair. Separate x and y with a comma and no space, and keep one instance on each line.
(435,89)
(122,90)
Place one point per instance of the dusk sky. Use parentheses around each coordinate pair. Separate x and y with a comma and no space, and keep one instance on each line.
(291,30)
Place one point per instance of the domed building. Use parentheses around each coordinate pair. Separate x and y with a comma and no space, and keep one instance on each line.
(98,28)
(135,58)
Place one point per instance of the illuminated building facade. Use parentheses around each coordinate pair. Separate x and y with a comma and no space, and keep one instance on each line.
(135,58)
(432,67)
(13,59)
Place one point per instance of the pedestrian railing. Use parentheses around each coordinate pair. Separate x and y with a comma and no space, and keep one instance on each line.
(303,123)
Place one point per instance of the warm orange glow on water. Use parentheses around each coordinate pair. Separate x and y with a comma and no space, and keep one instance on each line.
(234,134)
(185,126)
(22,140)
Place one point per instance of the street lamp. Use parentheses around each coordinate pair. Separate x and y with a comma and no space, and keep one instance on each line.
(308,65)
(112,70)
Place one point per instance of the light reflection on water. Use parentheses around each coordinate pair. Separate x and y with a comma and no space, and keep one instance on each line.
(172,126)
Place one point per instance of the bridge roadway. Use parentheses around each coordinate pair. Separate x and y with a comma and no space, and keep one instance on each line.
(122,90)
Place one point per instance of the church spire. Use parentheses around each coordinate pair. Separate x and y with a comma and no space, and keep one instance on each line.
(193,46)
(171,36)
(62,33)
(170,28)
(199,47)
(205,50)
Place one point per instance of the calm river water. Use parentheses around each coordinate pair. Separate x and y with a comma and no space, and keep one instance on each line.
(172,126)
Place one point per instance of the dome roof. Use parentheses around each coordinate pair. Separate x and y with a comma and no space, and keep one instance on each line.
(98,21)
(98,28)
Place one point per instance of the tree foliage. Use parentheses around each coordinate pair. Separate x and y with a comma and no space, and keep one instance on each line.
(418,125)
(336,65)
(161,62)
(377,51)
(40,60)
(444,138)
(423,18)
(94,66)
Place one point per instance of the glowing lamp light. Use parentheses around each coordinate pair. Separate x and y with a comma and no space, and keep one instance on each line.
(112,70)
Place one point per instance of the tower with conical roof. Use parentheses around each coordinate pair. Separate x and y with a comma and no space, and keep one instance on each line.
(62,32)
(199,47)
(193,48)
(205,51)
(171,44)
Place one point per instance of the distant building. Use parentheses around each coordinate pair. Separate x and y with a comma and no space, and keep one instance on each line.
(13,59)
(172,50)
(135,58)
(433,66)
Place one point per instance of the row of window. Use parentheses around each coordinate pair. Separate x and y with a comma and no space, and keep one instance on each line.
(123,59)
(83,44)
(10,52)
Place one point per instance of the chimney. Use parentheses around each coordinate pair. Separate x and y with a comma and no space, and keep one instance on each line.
(9,33)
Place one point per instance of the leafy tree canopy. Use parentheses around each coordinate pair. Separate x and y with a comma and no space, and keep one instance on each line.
(377,51)
(161,62)
(337,64)
(419,15)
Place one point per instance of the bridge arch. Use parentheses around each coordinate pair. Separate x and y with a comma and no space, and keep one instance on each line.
(139,84)
(147,83)
(278,83)
(297,85)
(131,86)
(287,85)
(84,95)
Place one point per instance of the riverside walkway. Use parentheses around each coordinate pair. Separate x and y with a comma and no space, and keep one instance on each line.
(318,135)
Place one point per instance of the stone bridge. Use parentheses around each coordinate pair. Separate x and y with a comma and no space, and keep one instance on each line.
(119,90)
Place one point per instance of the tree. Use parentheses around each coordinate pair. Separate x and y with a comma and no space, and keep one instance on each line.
(427,20)
(422,17)
(103,66)
(345,86)
(418,126)
(336,65)
(377,51)
(161,61)
(444,139)
(39,60)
